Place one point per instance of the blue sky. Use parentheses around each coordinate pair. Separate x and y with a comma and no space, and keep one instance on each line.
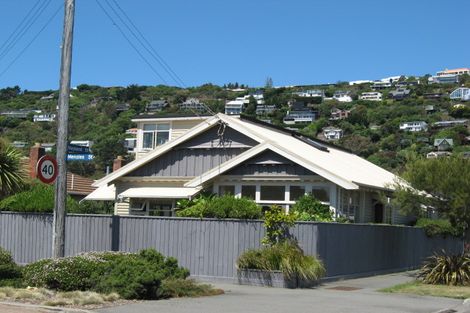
(294,42)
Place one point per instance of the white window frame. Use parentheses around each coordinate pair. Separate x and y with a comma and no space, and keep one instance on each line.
(154,134)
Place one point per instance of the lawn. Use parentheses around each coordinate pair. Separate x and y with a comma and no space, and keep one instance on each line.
(417,288)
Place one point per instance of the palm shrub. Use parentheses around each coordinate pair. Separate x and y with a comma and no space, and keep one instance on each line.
(11,175)
(285,256)
(308,208)
(446,269)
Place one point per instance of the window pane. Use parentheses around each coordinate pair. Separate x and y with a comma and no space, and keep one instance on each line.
(148,140)
(226,190)
(321,194)
(296,192)
(163,126)
(150,126)
(162,137)
(273,193)
(249,192)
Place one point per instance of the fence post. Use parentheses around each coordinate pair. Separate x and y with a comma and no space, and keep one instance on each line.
(115,232)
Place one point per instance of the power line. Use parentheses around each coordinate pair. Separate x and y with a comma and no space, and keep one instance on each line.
(32,40)
(130,42)
(32,20)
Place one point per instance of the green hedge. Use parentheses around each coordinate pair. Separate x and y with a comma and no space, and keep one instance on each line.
(308,208)
(222,207)
(9,270)
(438,227)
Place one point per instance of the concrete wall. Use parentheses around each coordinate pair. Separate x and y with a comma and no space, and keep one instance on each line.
(209,248)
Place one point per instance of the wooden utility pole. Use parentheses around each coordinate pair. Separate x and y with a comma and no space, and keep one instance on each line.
(58,245)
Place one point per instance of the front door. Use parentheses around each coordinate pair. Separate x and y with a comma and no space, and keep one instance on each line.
(378,213)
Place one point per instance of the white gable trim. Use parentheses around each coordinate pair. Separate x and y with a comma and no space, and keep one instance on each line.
(198,181)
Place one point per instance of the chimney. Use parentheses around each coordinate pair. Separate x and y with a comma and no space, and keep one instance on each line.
(118,163)
(35,153)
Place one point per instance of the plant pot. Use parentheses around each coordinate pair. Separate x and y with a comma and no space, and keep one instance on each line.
(271,279)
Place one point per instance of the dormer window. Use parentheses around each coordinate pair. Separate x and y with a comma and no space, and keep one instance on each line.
(155,135)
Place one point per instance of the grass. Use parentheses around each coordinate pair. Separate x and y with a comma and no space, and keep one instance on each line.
(418,288)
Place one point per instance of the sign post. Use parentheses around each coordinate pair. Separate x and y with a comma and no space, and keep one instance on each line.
(47,169)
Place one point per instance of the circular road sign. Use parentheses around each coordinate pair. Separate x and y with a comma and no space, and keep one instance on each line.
(47,169)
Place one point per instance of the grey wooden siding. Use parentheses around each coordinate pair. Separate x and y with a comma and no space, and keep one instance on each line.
(209,248)
(186,162)
(211,139)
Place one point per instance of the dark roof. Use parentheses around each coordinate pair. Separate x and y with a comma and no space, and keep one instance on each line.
(293,133)
(169,115)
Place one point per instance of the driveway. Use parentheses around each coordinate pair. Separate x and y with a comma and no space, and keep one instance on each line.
(351,296)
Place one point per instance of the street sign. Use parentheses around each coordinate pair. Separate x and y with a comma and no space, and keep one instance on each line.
(86,157)
(77,149)
(47,169)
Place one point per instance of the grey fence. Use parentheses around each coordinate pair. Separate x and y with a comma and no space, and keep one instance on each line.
(209,248)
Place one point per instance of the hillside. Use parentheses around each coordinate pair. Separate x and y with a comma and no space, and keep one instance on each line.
(369,128)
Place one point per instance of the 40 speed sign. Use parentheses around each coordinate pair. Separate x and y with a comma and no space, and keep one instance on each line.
(47,169)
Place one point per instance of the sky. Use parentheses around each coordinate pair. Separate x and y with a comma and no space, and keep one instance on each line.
(295,42)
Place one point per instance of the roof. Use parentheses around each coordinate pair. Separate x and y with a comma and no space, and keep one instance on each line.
(79,185)
(159,192)
(439,141)
(342,168)
(103,193)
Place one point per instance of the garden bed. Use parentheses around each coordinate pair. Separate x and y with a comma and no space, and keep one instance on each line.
(275,279)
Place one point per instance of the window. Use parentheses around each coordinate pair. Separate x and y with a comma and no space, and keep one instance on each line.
(226,190)
(276,193)
(249,192)
(155,135)
(296,192)
(321,194)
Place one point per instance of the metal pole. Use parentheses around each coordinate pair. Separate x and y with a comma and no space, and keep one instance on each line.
(58,245)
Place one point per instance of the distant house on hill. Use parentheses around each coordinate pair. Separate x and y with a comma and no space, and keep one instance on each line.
(310,93)
(156,105)
(192,104)
(399,94)
(452,123)
(416,126)
(462,94)
(443,144)
(234,107)
(47,98)
(332,133)
(299,117)
(438,154)
(371,96)
(45,117)
(337,114)
(122,107)
(265,109)
(342,96)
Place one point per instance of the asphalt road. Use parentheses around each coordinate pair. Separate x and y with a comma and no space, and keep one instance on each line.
(361,297)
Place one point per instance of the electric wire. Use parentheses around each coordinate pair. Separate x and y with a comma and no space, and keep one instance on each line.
(25,29)
(51,18)
(129,41)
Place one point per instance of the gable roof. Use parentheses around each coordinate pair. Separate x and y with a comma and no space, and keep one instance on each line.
(337,165)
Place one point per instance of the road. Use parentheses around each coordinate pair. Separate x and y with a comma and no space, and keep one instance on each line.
(351,296)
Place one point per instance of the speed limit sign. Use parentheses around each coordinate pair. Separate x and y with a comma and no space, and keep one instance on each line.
(47,169)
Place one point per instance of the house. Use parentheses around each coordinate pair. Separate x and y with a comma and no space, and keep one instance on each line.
(342,96)
(443,144)
(22,113)
(399,94)
(245,157)
(153,132)
(234,107)
(457,71)
(122,107)
(429,109)
(443,124)
(403,84)
(337,114)
(444,79)
(438,154)
(359,82)
(371,96)
(462,94)
(45,117)
(381,85)
(48,146)
(265,109)
(47,98)
(299,117)
(156,105)
(192,104)
(416,126)
(332,133)
(310,94)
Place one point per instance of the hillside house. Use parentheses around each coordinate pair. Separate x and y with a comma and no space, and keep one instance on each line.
(381,85)
(452,123)
(122,107)
(416,126)
(337,114)
(462,94)
(245,157)
(457,71)
(342,96)
(299,117)
(444,79)
(332,133)
(371,96)
(234,107)
(438,154)
(192,104)
(45,117)
(430,109)
(156,105)
(443,144)
(21,114)
(265,109)
(310,94)
(399,94)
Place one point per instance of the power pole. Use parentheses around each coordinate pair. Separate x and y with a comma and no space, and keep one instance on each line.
(58,238)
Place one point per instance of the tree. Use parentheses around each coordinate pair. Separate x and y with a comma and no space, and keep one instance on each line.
(437,184)
(269,82)
(11,175)
(251,107)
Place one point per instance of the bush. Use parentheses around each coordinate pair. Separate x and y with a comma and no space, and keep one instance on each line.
(277,224)
(9,270)
(38,198)
(286,257)
(222,207)
(176,288)
(437,227)
(446,269)
(308,208)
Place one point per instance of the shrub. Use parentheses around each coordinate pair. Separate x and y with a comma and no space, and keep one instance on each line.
(176,288)
(308,208)
(437,227)
(226,206)
(65,274)
(446,269)
(38,198)
(286,257)
(9,270)
(277,224)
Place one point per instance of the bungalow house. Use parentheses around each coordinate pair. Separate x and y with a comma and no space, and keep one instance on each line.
(371,96)
(156,105)
(399,94)
(443,144)
(234,107)
(416,126)
(192,104)
(462,94)
(299,117)
(245,157)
